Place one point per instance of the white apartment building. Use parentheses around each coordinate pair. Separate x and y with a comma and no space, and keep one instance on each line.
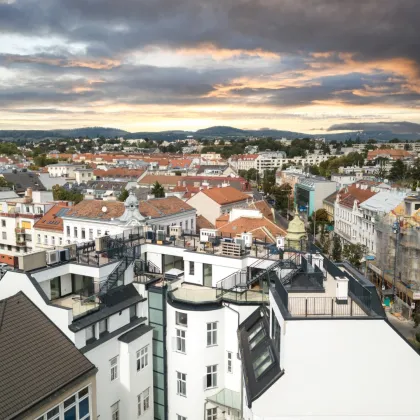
(109,326)
(271,161)
(213,202)
(243,162)
(229,333)
(66,170)
(285,379)
(91,219)
(17,219)
(48,229)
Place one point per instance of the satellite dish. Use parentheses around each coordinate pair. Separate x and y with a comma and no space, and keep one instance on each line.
(104,209)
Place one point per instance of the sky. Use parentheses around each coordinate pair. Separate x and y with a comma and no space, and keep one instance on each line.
(150,65)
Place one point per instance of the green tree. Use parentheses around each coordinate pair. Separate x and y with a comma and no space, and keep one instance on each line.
(398,171)
(42,160)
(4,183)
(337,249)
(354,253)
(157,190)
(61,194)
(251,174)
(124,195)
(282,196)
(269,181)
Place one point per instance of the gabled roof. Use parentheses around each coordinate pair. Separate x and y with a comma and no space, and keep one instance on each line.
(155,208)
(392,153)
(203,223)
(37,359)
(261,228)
(263,207)
(349,194)
(331,198)
(225,195)
(24,180)
(52,219)
(162,179)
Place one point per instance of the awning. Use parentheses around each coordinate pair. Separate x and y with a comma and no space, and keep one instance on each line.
(226,398)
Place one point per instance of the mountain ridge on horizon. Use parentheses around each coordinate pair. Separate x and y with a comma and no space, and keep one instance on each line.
(222,131)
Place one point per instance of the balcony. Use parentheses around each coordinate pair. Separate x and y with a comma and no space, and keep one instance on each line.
(197,294)
(20,236)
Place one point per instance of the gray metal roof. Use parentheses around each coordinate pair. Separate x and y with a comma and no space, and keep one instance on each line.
(384,201)
(37,359)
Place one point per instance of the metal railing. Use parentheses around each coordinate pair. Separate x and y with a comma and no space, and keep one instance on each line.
(323,306)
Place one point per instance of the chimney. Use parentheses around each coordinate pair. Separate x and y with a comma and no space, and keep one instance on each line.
(28,195)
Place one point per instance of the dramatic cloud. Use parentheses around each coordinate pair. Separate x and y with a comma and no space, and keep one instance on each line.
(187,63)
(396,127)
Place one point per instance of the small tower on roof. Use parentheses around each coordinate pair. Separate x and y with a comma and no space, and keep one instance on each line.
(296,232)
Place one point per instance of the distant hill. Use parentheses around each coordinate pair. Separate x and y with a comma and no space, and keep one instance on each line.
(14,135)
(412,132)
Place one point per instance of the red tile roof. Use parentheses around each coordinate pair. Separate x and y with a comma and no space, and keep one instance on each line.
(392,153)
(50,220)
(165,180)
(155,208)
(261,228)
(348,195)
(203,223)
(225,195)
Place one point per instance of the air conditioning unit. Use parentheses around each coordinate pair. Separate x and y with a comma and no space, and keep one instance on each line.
(64,254)
(53,257)
(241,242)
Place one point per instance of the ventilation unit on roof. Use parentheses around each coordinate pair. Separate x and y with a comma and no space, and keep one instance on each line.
(53,257)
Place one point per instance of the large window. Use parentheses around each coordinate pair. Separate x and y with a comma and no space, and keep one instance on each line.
(180,341)
(76,407)
(181,319)
(75,232)
(83,233)
(211,413)
(212,334)
(211,377)
(181,388)
(143,402)
(192,267)
(114,368)
(142,358)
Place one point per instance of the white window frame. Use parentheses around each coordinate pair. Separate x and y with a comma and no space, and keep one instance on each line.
(142,358)
(229,362)
(211,413)
(211,334)
(77,400)
(114,368)
(212,375)
(115,411)
(181,384)
(181,341)
(143,402)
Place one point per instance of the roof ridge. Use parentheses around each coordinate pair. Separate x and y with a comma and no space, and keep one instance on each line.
(2,311)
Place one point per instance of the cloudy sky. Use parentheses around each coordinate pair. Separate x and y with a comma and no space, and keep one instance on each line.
(301,65)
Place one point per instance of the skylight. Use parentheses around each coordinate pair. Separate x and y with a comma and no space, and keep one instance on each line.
(262,362)
(256,335)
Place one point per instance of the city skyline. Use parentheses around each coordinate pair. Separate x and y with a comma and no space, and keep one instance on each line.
(143,66)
